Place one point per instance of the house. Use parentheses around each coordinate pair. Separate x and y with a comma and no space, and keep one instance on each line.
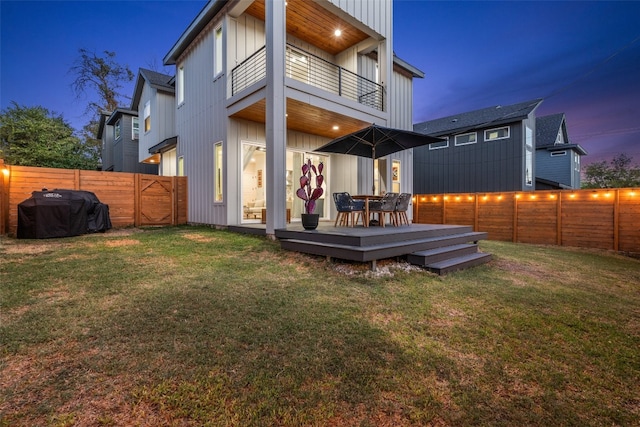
(119,133)
(492,150)
(258,86)
(154,100)
(557,160)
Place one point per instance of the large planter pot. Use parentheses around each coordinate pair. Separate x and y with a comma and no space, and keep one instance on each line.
(310,221)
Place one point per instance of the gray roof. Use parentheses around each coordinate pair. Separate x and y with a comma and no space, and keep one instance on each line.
(547,128)
(113,118)
(483,118)
(158,81)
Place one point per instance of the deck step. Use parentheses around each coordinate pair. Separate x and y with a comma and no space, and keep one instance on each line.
(379,251)
(424,258)
(459,263)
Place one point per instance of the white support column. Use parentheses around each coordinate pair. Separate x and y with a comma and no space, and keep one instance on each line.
(276,123)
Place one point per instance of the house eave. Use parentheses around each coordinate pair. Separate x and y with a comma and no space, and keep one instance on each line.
(208,12)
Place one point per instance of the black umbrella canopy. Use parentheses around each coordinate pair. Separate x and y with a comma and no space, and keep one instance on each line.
(376,141)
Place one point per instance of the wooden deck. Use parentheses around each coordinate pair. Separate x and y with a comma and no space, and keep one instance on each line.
(439,248)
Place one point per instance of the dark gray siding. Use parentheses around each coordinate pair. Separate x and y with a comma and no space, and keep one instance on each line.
(107,148)
(125,151)
(484,166)
(554,168)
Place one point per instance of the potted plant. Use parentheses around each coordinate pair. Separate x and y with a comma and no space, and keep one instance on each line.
(309,195)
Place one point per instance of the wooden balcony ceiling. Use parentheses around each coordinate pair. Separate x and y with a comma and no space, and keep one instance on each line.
(307,20)
(306,118)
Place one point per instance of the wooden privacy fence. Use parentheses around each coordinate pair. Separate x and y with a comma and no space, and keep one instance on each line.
(134,199)
(603,218)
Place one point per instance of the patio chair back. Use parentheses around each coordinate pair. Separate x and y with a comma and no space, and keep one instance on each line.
(388,203)
(402,205)
(343,202)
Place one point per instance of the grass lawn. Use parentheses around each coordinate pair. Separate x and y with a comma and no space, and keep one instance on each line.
(191,326)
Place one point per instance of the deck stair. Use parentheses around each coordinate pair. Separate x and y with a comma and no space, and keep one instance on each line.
(439,248)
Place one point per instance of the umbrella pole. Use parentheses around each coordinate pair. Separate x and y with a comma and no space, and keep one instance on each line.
(373,169)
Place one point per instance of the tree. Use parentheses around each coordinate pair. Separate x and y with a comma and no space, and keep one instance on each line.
(618,173)
(34,136)
(102,77)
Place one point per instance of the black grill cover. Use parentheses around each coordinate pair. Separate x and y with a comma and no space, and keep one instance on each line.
(61,213)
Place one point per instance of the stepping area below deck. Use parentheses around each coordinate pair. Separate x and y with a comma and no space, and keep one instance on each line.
(439,248)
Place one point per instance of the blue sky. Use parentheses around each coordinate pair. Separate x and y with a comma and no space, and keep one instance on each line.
(582,57)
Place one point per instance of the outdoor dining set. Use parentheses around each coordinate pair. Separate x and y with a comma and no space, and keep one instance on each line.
(371,210)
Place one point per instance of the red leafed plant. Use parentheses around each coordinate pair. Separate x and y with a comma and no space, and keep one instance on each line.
(305,192)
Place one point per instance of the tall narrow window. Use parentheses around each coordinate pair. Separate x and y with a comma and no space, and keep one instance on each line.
(135,128)
(395,176)
(180,84)
(528,176)
(117,130)
(217,159)
(147,116)
(217,63)
(181,166)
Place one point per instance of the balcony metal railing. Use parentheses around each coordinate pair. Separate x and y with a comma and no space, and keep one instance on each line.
(313,70)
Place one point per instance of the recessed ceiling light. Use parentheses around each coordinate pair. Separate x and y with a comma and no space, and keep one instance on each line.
(337,32)
(335,127)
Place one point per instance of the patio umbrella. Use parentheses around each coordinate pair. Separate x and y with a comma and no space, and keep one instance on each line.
(375,142)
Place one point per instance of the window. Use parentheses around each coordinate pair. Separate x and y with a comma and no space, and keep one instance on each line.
(528,174)
(181,166)
(498,133)
(180,84)
(297,65)
(117,129)
(217,161)
(438,145)
(558,153)
(576,162)
(395,176)
(147,116)
(217,62)
(466,138)
(135,128)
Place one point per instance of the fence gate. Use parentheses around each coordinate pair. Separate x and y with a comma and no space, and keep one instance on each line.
(156,200)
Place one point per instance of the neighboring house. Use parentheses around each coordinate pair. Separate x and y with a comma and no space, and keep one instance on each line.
(557,160)
(119,133)
(258,86)
(154,99)
(492,149)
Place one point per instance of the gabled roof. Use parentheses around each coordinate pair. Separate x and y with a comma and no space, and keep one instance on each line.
(483,118)
(547,129)
(160,82)
(119,112)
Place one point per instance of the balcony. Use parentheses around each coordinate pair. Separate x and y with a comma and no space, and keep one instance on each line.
(312,70)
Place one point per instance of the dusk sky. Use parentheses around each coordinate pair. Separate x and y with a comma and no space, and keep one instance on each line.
(582,58)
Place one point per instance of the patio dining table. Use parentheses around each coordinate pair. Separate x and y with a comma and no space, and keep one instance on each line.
(366,198)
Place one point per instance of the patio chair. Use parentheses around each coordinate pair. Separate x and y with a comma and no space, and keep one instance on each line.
(385,206)
(402,205)
(347,209)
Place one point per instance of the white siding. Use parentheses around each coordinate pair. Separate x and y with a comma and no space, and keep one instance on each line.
(375,14)
(200,122)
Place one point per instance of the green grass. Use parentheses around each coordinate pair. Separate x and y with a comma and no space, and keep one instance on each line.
(193,326)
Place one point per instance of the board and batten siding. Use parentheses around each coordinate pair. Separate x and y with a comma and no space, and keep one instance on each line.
(376,14)
(200,123)
(483,166)
(162,108)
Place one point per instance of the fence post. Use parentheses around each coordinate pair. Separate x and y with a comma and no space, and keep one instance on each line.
(137,203)
(5,173)
(616,221)
(559,219)
(515,217)
(444,209)
(476,219)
